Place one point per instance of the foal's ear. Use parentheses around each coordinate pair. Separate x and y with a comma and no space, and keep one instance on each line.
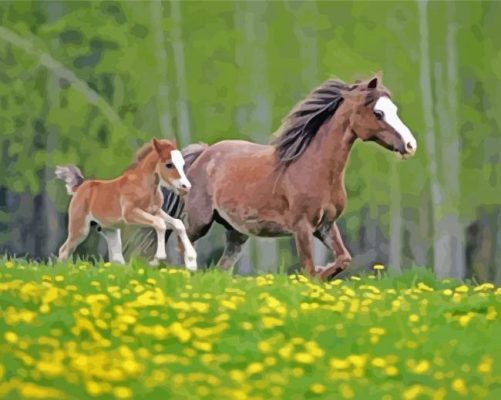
(373,83)
(157,145)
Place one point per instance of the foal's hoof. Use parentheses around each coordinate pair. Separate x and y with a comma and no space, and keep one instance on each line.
(191,265)
(156,262)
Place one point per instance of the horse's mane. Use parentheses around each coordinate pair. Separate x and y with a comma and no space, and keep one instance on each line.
(141,154)
(302,123)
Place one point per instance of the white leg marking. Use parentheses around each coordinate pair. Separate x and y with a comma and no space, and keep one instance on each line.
(114,242)
(190,255)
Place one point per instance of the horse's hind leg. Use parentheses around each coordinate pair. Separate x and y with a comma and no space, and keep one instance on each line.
(331,238)
(78,229)
(114,241)
(233,249)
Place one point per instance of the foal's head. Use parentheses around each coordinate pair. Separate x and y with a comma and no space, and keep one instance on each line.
(170,167)
(375,118)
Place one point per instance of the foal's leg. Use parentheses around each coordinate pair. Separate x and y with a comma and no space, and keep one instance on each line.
(233,249)
(114,241)
(331,238)
(78,229)
(140,217)
(189,253)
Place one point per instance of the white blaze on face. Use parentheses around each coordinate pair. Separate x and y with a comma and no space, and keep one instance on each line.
(390,116)
(178,161)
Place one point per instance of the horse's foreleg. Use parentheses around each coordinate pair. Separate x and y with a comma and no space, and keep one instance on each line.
(303,239)
(114,241)
(137,216)
(331,238)
(233,248)
(190,255)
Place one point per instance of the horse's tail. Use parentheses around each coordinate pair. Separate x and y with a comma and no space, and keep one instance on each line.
(71,175)
(143,241)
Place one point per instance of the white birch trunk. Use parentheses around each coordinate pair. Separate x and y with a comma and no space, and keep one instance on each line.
(439,252)
(395,259)
(183,120)
(165,121)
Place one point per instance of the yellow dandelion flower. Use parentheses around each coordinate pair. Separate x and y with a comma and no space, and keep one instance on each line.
(378,267)
(459,386)
(413,318)
(237,376)
(254,368)
(317,388)
(271,322)
(304,358)
(338,363)
(378,362)
(413,392)
(420,367)
(462,289)
(377,331)
(11,337)
(485,365)
(122,392)
(425,288)
(391,371)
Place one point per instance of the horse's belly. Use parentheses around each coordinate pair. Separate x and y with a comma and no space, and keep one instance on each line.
(252,223)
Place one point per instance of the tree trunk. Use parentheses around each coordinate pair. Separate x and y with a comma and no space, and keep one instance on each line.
(449,244)
(183,120)
(440,254)
(497,251)
(165,122)
(52,224)
(395,256)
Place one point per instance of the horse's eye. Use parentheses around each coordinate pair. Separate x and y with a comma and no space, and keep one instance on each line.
(379,114)
(169,165)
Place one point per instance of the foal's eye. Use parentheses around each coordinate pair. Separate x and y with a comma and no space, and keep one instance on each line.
(379,114)
(169,165)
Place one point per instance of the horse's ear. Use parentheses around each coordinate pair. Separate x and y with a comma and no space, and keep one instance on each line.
(373,83)
(157,145)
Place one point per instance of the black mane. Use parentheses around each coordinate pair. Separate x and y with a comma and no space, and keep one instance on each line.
(301,125)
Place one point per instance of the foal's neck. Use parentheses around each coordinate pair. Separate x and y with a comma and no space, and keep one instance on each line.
(147,169)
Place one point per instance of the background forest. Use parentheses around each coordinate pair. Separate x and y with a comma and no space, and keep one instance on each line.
(89,82)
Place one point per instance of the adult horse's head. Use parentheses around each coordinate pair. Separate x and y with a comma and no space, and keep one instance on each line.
(374,118)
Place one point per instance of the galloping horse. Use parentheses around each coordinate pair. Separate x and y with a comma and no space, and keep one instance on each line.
(295,186)
(133,198)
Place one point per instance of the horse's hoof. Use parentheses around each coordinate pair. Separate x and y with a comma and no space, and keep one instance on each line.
(191,266)
(330,272)
(155,262)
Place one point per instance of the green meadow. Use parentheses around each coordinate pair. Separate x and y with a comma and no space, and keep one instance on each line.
(106,331)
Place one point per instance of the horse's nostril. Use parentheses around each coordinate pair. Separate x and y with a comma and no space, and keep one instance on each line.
(409,146)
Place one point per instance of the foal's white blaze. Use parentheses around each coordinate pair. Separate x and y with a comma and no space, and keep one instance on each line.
(178,161)
(389,110)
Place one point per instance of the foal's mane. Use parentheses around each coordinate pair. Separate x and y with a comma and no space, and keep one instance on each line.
(302,123)
(141,154)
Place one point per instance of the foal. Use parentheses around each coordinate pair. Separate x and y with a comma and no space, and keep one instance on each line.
(133,198)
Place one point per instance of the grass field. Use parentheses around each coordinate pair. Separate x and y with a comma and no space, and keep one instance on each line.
(80,331)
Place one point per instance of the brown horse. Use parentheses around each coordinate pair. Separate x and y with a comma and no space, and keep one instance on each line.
(133,198)
(295,186)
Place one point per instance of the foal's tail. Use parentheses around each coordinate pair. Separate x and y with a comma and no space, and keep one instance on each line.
(71,175)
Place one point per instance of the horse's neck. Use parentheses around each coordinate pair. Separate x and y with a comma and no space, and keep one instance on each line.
(146,169)
(329,152)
